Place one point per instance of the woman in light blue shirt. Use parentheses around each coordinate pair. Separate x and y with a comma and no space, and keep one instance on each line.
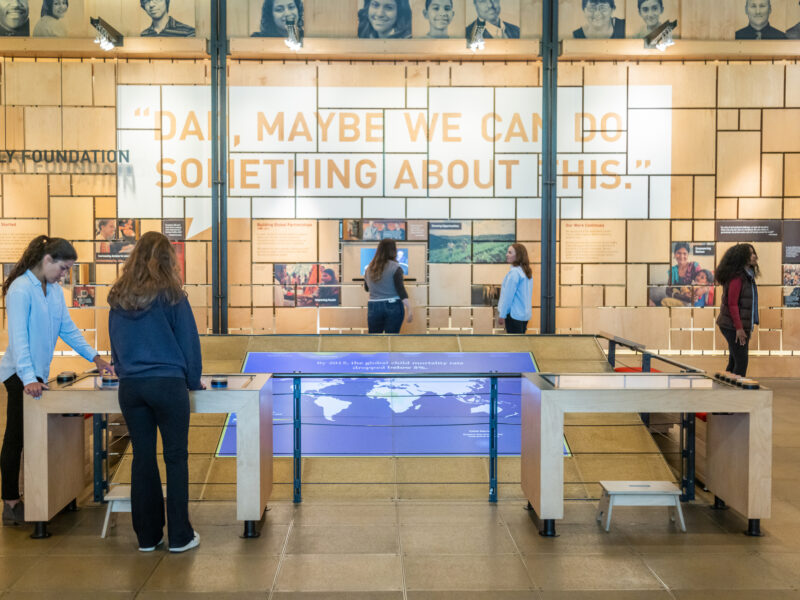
(37,317)
(516,293)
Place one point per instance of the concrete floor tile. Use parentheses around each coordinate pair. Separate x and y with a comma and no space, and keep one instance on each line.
(345,572)
(330,513)
(12,568)
(195,572)
(88,573)
(16,541)
(573,538)
(343,539)
(337,595)
(717,572)
(174,595)
(484,595)
(736,594)
(455,492)
(449,512)
(587,572)
(62,595)
(474,573)
(606,595)
(466,538)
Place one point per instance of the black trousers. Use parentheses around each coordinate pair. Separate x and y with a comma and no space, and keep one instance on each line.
(148,405)
(11,453)
(514,326)
(737,353)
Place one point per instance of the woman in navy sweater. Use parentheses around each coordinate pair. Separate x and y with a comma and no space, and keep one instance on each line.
(156,352)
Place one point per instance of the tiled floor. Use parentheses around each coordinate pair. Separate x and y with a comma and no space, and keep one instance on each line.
(431,550)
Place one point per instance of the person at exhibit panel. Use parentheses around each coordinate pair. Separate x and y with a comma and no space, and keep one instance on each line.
(156,352)
(106,232)
(328,290)
(651,12)
(51,24)
(516,293)
(14,18)
(758,28)
(495,27)
(439,14)
(388,299)
(37,317)
(793,33)
(163,24)
(277,15)
(384,19)
(737,272)
(600,21)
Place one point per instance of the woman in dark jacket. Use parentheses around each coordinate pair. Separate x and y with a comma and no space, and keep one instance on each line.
(156,353)
(737,272)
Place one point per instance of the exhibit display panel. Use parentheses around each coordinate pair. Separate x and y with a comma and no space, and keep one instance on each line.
(738,440)
(54,455)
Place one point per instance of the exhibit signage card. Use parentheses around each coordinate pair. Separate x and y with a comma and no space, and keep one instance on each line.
(592,241)
(278,240)
(750,231)
(15,234)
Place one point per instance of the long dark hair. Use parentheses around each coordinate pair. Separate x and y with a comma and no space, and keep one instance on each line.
(387,250)
(268,28)
(41,246)
(522,260)
(402,26)
(733,263)
(151,271)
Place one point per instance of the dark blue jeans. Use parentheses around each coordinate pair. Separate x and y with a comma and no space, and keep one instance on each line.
(385,317)
(150,404)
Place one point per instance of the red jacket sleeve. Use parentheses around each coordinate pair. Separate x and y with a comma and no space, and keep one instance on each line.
(734,290)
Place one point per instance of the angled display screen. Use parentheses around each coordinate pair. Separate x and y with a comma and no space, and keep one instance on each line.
(379,416)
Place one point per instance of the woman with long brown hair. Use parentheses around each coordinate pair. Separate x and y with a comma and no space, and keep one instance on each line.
(388,299)
(156,351)
(37,317)
(737,272)
(516,293)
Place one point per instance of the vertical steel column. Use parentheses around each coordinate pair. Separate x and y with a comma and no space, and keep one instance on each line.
(493,441)
(646,368)
(218,50)
(612,352)
(297,459)
(688,455)
(549,52)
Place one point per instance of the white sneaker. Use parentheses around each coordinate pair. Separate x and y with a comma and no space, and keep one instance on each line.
(151,548)
(194,543)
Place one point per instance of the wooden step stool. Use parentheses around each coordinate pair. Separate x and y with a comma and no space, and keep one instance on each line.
(119,500)
(640,493)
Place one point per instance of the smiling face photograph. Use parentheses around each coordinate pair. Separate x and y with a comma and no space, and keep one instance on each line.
(500,16)
(277,16)
(389,19)
(758,28)
(14,18)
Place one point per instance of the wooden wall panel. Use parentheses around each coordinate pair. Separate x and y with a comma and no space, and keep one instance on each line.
(450,285)
(272,73)
(43,128)
(341,22)
(32,83)
(781,130)
(728,119)
(328,232)
(693,141)
(648,241)
(750,119)
(25,196)
(750,85)
(60,185)
(704,195)
(76,83)
(363,74)
(682,230)
(793,85)
(703,231)
(295,320)
(649,326)
(14,127)
(239,261)
(760,208)
(104,81)
(693,85)
(701,17)
(738,163)
(476,74)
(71,217)
(792,171)
(636,290)
(101,135)
(771,175)
(681,197)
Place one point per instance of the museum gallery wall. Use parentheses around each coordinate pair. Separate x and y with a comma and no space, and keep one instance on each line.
(661,168)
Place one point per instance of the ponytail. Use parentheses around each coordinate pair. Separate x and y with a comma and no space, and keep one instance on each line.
(41,246)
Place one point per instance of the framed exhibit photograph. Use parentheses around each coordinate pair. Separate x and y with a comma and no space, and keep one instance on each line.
(690,278)
(501,18)
(450,241)
(439,19)
(307,284)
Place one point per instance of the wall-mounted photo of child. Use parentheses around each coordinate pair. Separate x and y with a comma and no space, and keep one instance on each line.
(162,21)
(690,279)
(438,18)
(388,19)
(601,21)
(277,16)
(644,16)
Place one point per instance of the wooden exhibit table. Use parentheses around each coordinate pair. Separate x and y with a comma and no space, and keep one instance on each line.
(738,446)
(54,447)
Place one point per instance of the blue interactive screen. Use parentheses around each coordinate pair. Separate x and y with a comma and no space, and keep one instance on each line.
(368,253)
(389,416)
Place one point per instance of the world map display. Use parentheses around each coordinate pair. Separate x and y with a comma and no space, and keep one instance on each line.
(380,415)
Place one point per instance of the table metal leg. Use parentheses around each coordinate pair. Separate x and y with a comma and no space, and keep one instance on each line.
(548,528)
(40,530)
(250,530)
(754,528)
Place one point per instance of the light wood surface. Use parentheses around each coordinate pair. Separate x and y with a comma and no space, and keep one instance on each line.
(54,454)
(739,446)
